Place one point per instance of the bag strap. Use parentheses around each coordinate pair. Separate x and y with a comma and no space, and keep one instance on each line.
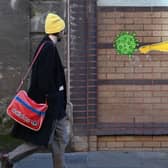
(30,67)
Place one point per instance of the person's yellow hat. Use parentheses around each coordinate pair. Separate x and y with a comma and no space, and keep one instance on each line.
(54,24)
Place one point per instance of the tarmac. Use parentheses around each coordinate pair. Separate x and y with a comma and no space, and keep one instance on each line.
(101,159)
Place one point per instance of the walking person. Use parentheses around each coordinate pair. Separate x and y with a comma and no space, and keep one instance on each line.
(47,83)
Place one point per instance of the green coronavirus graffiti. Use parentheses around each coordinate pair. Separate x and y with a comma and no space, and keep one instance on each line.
(126,43)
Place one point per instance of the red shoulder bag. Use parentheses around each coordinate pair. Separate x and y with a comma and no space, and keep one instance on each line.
(23,109)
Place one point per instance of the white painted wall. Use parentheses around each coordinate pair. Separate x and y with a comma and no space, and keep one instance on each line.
(135,3)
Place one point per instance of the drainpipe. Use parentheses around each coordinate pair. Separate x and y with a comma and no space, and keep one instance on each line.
(68,49)
(69,104)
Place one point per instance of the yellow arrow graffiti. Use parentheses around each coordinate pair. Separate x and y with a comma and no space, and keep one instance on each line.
(162,46)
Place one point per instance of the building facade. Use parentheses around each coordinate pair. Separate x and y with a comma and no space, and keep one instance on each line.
(118,103)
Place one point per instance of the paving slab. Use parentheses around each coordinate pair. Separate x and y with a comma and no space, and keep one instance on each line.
(112,159)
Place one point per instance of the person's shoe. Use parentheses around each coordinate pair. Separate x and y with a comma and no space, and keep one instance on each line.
(5,163)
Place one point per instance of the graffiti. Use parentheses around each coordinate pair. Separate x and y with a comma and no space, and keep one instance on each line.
(162,47)
(126,43)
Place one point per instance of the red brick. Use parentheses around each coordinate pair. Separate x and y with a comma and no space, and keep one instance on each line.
(115,76)
(161,93)
(161,69)
(143,94)
(164,63)
(144,33)
(143,69)
(160,21)
(157,76)
(115,144)
(133,144)
(152,64)
(142,20)
(165,27)
(148,76)
(160,138)
(115,14)
(124,21)
(164,87)
(134,27)
(124,70)
(152,100)
(164,14)
(134,76)
(152,27)
(151,144)
(151,39)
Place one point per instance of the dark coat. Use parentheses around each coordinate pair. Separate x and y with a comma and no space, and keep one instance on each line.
(47,76)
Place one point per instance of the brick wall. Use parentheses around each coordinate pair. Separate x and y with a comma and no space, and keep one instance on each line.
(83,64)
(120,143)
(150,25)
(132,92)
(139,94)
(128,143)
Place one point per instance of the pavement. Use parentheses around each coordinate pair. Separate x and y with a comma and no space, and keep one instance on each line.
(112,159)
